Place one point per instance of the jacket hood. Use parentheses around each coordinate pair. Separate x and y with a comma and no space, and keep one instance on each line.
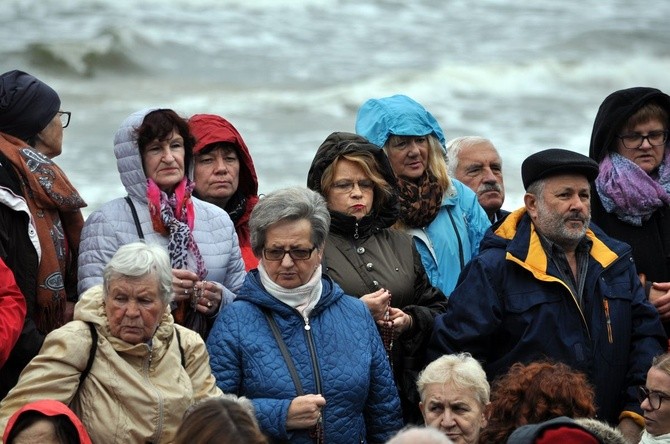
(398,115)
(338,144)
(613,113)
(210,128)
(128,159)
(50,408)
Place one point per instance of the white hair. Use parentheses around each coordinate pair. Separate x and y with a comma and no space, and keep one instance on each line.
(419,435)
(454,147)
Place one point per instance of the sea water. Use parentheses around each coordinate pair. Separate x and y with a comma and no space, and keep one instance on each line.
(528,75)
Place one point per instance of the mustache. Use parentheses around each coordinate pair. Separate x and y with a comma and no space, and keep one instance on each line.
(486,187)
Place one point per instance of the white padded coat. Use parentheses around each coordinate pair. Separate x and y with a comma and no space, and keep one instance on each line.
(111,226)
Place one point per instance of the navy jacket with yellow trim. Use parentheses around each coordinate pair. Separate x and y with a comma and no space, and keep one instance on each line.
(510,305)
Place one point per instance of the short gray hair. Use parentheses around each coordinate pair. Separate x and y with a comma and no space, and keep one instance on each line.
(454,147)
(462,370)
(295,204)
(139,259)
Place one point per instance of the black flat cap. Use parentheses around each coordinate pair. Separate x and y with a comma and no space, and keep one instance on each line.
(554,162)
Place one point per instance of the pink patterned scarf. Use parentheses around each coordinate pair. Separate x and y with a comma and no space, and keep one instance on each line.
(174,216)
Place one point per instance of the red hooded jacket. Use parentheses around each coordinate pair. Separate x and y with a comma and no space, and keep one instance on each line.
(49,407)
(208,129)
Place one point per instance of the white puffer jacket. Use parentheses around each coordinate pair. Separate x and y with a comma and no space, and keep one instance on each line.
(112,225)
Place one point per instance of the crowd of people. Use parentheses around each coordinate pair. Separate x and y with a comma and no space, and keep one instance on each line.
(390,300)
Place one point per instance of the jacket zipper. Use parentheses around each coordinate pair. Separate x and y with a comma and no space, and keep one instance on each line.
(159,396)
(315,365)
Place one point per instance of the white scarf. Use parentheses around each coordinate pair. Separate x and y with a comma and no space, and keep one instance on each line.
(303,298)
(650,439)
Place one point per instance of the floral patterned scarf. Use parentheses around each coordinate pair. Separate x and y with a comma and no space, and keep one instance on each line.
(420,201)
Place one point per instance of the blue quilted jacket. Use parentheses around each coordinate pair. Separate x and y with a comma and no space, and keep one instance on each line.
(341,349)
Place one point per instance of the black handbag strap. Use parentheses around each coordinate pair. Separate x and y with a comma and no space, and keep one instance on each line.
(284,351)
(135,218)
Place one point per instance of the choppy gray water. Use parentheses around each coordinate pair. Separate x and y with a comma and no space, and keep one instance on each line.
(528,75)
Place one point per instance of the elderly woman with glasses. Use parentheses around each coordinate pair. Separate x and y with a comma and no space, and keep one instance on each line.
(632,198)
(308,356)
(655,401)
(373,262)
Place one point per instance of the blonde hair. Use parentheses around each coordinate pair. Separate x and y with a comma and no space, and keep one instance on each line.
(367,162)
(437,160)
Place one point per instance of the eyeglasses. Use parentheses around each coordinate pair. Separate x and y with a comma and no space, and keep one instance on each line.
(347,186)
(634,141)
(297,254)
(654,398)
(64,118)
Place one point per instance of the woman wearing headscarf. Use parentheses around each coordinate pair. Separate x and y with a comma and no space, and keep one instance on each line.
(153,151)
(225,175)
(40,213)
(442,214)
(631,201)
(369,260)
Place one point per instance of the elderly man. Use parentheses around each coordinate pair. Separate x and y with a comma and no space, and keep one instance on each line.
(40,216)
(475,161)
(549,285)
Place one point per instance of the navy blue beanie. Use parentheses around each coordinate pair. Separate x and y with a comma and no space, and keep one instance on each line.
(27,105)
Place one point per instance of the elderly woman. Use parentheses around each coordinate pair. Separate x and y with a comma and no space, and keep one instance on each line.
(455,397)
(632,198)
(123,366)
(153,151)
(536,392)
(442,214)
(308,356)
(655,402)
(368,260)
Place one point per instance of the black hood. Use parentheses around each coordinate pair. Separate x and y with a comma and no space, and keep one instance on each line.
(338,144)
(613,113)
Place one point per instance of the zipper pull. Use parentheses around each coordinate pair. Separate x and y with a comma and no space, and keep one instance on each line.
(307,326)
(606,305)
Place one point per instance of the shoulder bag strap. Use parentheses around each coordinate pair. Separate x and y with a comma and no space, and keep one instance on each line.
(91,355)
(135,218)
(284,351)
(458,238)
(181,349)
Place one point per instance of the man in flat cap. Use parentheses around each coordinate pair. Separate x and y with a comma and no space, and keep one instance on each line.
(547,284)
(40,213)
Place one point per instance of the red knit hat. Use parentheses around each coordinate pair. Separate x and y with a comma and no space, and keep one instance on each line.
(566,435)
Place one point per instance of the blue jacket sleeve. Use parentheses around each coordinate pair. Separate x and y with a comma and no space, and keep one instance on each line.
(472,316)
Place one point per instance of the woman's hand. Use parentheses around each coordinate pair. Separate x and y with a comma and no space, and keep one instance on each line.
(378,303)
(399,320)
(207,295)
(304,411)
